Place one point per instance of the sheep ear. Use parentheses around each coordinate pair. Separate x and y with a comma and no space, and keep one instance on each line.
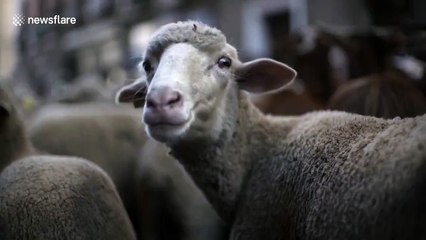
(263,75)
(134,92)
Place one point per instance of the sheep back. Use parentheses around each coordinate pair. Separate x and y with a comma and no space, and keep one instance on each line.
(51,197)
(337,176)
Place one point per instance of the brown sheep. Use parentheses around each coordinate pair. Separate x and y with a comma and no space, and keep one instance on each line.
(286,102)
(381,95)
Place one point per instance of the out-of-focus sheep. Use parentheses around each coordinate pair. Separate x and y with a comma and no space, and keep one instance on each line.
(381,95)
(103,133)
(53,197)
(327,57)
(322,175)
(295,101)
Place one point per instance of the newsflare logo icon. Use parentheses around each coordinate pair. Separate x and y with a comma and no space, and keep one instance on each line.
(18,20)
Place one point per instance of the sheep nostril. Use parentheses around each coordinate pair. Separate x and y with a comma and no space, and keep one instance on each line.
(174,100)
(150,103)
(164,99)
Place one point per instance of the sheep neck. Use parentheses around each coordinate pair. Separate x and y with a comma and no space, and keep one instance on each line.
(220,166)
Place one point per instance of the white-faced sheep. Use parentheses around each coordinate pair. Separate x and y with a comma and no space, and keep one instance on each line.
(52,197)
(322,175)
(103,133)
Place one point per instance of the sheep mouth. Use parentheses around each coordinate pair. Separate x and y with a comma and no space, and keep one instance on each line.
(165,131)
(167,124)
(169,127)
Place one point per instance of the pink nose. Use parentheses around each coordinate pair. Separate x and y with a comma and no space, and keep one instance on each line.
(163,99)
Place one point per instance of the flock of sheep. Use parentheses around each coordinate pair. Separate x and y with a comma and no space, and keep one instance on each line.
(213,166)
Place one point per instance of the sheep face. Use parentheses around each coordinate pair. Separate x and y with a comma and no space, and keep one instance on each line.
(187,88)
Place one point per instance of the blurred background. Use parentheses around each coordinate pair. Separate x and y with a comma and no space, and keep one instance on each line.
(329,42)
(361,56)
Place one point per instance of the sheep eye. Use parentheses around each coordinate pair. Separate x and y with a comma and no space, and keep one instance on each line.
(147,66)
(224,62)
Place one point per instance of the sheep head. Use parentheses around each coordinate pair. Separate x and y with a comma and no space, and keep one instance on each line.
(190,71)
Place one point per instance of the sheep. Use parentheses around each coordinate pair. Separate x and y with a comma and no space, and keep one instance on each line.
(165,195)
(87,88)
(286,102)
(54,197)
(168,199)
(384,95)
(101,132)
(165,192)
(322,175)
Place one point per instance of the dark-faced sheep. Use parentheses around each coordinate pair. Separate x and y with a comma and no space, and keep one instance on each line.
(322,175)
